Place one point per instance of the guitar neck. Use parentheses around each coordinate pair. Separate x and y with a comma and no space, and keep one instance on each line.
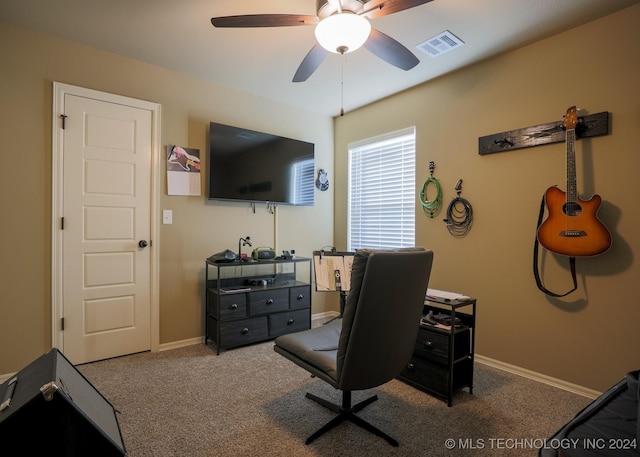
(572,192)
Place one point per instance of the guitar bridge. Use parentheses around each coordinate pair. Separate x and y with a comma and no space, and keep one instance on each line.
(573,233)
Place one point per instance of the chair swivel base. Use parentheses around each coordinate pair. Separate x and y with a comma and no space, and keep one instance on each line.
(346,412)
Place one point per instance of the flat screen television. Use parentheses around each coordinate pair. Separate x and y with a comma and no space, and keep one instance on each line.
(245,165)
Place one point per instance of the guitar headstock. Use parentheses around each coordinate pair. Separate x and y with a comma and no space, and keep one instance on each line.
(570,119)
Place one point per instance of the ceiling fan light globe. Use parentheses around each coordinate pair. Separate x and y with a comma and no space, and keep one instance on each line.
(343,32)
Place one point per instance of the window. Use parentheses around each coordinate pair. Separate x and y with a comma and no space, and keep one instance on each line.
(303,182)
(382,191)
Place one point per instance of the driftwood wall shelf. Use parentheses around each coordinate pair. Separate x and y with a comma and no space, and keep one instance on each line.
(552,132)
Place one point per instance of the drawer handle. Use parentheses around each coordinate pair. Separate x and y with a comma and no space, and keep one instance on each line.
(300,297)
(234,306)
(270,301)
(290,321)
(244,331)
(411,367)
(428,344)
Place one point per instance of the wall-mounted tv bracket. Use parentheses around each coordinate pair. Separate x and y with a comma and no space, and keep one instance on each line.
(552,132)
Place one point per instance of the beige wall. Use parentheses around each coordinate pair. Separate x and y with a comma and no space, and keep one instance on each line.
(29,64)
(590,338)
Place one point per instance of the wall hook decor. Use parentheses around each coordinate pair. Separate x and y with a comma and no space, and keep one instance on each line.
(551,132)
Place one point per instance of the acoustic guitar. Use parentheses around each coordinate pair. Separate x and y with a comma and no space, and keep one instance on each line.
(572,227)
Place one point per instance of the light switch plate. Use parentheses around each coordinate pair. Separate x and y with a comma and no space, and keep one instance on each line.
(167,216)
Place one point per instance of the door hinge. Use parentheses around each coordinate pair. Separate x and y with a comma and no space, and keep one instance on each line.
(64,120)
(62,324)
(62,223)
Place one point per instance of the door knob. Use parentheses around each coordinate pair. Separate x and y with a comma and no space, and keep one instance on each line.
(143,243)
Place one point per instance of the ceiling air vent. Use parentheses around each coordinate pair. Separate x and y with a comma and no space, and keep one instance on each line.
(439,44)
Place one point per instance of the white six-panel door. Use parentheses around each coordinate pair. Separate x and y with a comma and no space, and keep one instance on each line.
(106,252)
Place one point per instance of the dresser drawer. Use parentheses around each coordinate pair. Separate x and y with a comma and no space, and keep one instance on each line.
(268,301)
(435,377)
(231,306)
(289,322)
(300,297)
(434,344)
(244,331)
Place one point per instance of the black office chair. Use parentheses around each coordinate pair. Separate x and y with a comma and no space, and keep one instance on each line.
(376,336)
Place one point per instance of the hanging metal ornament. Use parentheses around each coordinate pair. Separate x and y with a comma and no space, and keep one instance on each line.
(322,183)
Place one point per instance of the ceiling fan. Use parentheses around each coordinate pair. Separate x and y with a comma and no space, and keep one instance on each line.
(342,26)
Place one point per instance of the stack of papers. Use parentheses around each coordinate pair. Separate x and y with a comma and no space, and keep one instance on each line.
(435,293)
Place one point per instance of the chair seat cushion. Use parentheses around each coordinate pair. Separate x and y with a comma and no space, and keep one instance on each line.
(315,349)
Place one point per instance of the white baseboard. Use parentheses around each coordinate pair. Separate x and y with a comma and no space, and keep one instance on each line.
(180,344)
(559,383)
(324,315)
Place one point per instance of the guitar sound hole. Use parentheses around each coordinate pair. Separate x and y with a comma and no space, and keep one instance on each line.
(572,209)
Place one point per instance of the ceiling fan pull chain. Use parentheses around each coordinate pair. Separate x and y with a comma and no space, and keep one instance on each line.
(342,86)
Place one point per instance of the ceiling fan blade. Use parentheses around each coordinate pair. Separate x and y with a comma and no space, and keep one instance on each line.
(336,4)
(390,50)
(310,63)
(379,8)
(264,20)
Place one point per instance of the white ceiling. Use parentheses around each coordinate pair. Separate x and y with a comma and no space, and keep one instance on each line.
(178,35)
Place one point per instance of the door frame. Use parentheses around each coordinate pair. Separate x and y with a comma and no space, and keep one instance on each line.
(57,195)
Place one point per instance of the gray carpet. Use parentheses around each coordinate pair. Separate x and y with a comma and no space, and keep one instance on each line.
(251,401)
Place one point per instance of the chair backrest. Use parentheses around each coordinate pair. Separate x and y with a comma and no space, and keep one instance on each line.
(382,315)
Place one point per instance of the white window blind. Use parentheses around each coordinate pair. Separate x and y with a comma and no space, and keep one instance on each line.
(382,192)
(303,182)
